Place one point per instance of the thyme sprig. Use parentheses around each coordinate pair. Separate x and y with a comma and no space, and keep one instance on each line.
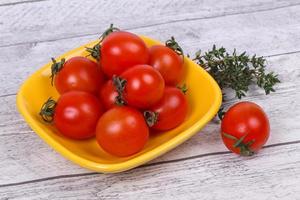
(236,71)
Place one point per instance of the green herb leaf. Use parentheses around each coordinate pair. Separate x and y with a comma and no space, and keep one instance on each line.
(236,71)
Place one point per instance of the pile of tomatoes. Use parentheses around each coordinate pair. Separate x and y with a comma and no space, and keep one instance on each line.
(130,90)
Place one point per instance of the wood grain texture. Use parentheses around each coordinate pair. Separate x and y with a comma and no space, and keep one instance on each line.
(266,33)
(33,31)
(17,139)
(274,174)
(50,20)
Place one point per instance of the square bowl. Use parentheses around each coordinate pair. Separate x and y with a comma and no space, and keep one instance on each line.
(204,97)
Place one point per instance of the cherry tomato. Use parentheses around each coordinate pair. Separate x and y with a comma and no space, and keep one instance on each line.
(171,109)
(76,114)
(144,86)
(108,95)
(168,63)
(122,131)
(121,50)
(245,128)
(79,73)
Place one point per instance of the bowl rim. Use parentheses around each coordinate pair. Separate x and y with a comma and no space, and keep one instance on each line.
(132,162)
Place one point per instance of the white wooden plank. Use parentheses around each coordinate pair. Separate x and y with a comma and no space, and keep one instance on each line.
(273,174)
(266,33)
(272,28)
(49,20)
(17,140)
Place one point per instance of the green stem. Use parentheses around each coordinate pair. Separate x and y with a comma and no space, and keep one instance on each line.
(172,44)
(245,149)
(56,67)
(47,110)
(120,84)
(151,117)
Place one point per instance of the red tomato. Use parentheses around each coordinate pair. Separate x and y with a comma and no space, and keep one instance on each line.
(168,63)
(79,73)
(76,114)
(122,131)
(171,109)
(249,123)
(108,95)
(144,86)
(121,50)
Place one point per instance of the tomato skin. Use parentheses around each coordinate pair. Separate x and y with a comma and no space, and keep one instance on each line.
(122,131)
(76,114)
(79,73)
(245,118)
(168,63)
(121,50)
(172,109)
(108,95)
(144,87)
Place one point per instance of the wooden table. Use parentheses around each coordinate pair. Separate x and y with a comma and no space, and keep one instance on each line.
(31,31)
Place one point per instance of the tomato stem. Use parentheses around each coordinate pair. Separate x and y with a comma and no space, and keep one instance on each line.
(120,84)
(172,44)
(95,50)
(221,113)
(47,110)
(183,88)
(245,149)
(151,117)
(108,31)
(56,67)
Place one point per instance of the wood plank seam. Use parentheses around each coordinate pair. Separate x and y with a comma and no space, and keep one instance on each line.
(8,95)
(153,25)
(282,54)
(146,165)
(21,2)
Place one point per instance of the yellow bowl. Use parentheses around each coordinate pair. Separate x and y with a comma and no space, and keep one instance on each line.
(204,98)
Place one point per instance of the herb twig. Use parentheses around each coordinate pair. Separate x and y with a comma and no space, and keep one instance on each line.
(236,71)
